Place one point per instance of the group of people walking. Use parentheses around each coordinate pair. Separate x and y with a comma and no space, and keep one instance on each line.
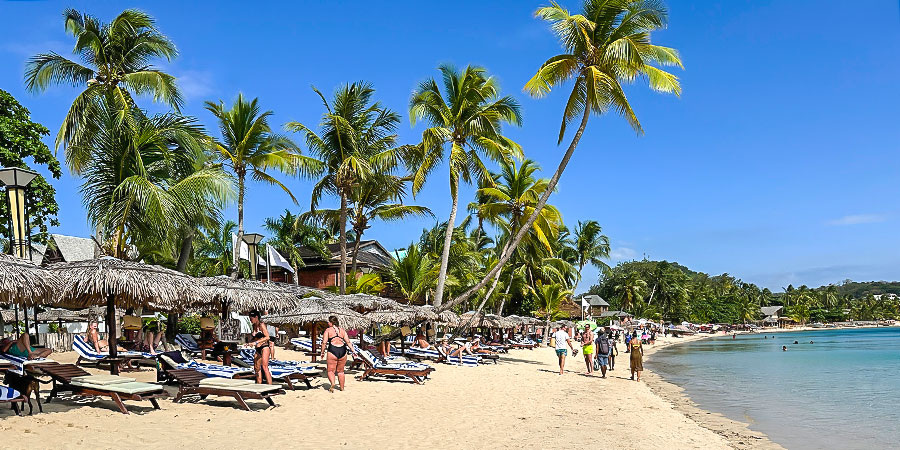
(599,350)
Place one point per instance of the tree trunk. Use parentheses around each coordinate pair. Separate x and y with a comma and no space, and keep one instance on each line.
(343,238)
(505,294)
(187,244)
(359,234)
(445,253)
(551,186)
(236,258)
(111,327)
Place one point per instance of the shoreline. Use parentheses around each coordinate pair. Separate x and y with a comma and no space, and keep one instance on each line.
(737,434)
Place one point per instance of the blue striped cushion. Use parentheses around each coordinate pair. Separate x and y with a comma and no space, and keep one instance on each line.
(215,370)
(7,394)
(187,342)
(86,350)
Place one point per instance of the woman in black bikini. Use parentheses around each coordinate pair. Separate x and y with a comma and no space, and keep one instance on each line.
(261,344)
(335,343)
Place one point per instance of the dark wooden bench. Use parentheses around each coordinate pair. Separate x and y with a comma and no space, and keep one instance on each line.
(189,384)
(62,375)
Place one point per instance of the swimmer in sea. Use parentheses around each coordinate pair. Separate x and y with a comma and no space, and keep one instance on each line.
(784,348)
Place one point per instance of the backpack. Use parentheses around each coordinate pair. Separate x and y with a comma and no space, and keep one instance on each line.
(604,347)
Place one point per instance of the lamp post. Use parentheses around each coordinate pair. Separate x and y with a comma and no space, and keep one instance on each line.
(253,240)
(16,180)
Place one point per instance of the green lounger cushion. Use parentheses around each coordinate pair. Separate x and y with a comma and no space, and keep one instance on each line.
(102,380)
(224,382)
(255,388)
(122,388)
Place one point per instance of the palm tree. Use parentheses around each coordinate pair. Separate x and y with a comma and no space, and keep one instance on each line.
(289,234)
(213,253)
(380,198)
(249,147)
(607,45)
(115,67)
(356,145)
(131,189)
(547,299)
(590,246)
(413,274)
(631,290)
(466,119)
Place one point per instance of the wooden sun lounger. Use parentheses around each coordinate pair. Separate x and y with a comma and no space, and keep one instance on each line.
(63,375)
(189,383)
(370,369)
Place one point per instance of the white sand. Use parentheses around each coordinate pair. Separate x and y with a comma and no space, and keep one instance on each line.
(519,403)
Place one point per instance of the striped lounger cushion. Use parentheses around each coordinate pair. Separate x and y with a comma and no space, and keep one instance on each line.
(370,358)
(87,352)
(214,370)
(20,362)
(8,393)
(187,342)
(247,355)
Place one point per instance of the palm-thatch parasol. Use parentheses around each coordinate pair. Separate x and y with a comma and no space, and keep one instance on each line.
(23,282)
(114,282)
(366,302)
(403,314)
(445,317)
(315,311)
(246,295)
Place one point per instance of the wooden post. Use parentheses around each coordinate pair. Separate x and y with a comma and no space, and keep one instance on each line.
(25,314)
(315,335)
(222,323)
(111,332)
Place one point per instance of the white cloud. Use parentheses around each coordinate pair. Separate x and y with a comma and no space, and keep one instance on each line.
(622,253)
(857,219)
(195,84)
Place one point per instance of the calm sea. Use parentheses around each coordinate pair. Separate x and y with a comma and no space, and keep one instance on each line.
(842,391)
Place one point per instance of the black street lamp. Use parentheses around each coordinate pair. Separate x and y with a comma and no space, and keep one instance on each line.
(253,240)
(16,180)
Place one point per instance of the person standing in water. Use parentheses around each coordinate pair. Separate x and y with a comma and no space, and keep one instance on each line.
(336,343)
(637,357)
(562,340)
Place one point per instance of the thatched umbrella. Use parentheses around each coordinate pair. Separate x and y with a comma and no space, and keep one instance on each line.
(245,295)
(315,311)
(445,317)
(366,302)
(126,284)
(24,283)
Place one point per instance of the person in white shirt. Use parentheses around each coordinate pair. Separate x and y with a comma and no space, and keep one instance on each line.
(562,340)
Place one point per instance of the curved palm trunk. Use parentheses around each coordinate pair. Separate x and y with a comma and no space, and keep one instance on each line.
(236,251)
(445,253)
(343,231)
(187,244)
(504,258)
(505,294)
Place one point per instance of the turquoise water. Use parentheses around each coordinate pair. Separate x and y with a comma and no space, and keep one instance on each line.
(842,391)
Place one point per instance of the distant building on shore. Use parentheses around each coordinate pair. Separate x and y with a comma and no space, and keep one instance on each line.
(771,314)
(322,272)
(594,305)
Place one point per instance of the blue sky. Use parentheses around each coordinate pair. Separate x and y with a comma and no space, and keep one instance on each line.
(778,164)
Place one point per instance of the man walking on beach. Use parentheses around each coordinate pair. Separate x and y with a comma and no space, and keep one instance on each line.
(562,340)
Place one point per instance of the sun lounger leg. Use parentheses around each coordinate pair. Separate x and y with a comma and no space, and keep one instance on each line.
(270,401)
(154,403)
(287,381)
(15,408)
(240,400)
(115,397)
(308,384)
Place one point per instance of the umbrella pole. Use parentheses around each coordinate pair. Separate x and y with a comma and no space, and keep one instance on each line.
(36,333)
(111,332)
(25,315)
(315,339)
(222,323)
(16,309)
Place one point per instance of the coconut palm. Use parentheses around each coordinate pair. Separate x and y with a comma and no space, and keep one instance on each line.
(607,45)
(413,274)
(547,300)
(465,120)
(249,147)
(590,246)
(356,144)
(115,66)
(631,290)
(129,189)
(379,198)
(213,252)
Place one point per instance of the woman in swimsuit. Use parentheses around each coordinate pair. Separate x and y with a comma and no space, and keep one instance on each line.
(261,344)
(337,345)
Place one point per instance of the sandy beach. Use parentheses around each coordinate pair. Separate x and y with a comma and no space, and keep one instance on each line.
(519,403)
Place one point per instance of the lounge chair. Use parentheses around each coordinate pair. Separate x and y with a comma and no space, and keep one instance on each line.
(192,382)
(175,360)
(188,344)
(19,364)
(74,379)
(87,354)
(416,372)
(287,371)
(13,397)
(462,360)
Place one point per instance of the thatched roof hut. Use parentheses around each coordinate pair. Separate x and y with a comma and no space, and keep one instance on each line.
(24,282)
(246,295)
(114,282)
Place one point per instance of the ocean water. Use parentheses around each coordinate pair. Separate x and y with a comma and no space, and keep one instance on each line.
(841,392)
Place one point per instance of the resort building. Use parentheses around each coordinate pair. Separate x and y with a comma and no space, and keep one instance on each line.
(771,314)
(594,305)
(322,272)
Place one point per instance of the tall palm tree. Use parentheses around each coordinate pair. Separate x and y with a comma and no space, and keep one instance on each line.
(129,189)
(213,252)
(115,67)
(590,246)
(631,290)
(465,119)
(607,45)
(289,234)
(249,147)
(356,144)
(379,198)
